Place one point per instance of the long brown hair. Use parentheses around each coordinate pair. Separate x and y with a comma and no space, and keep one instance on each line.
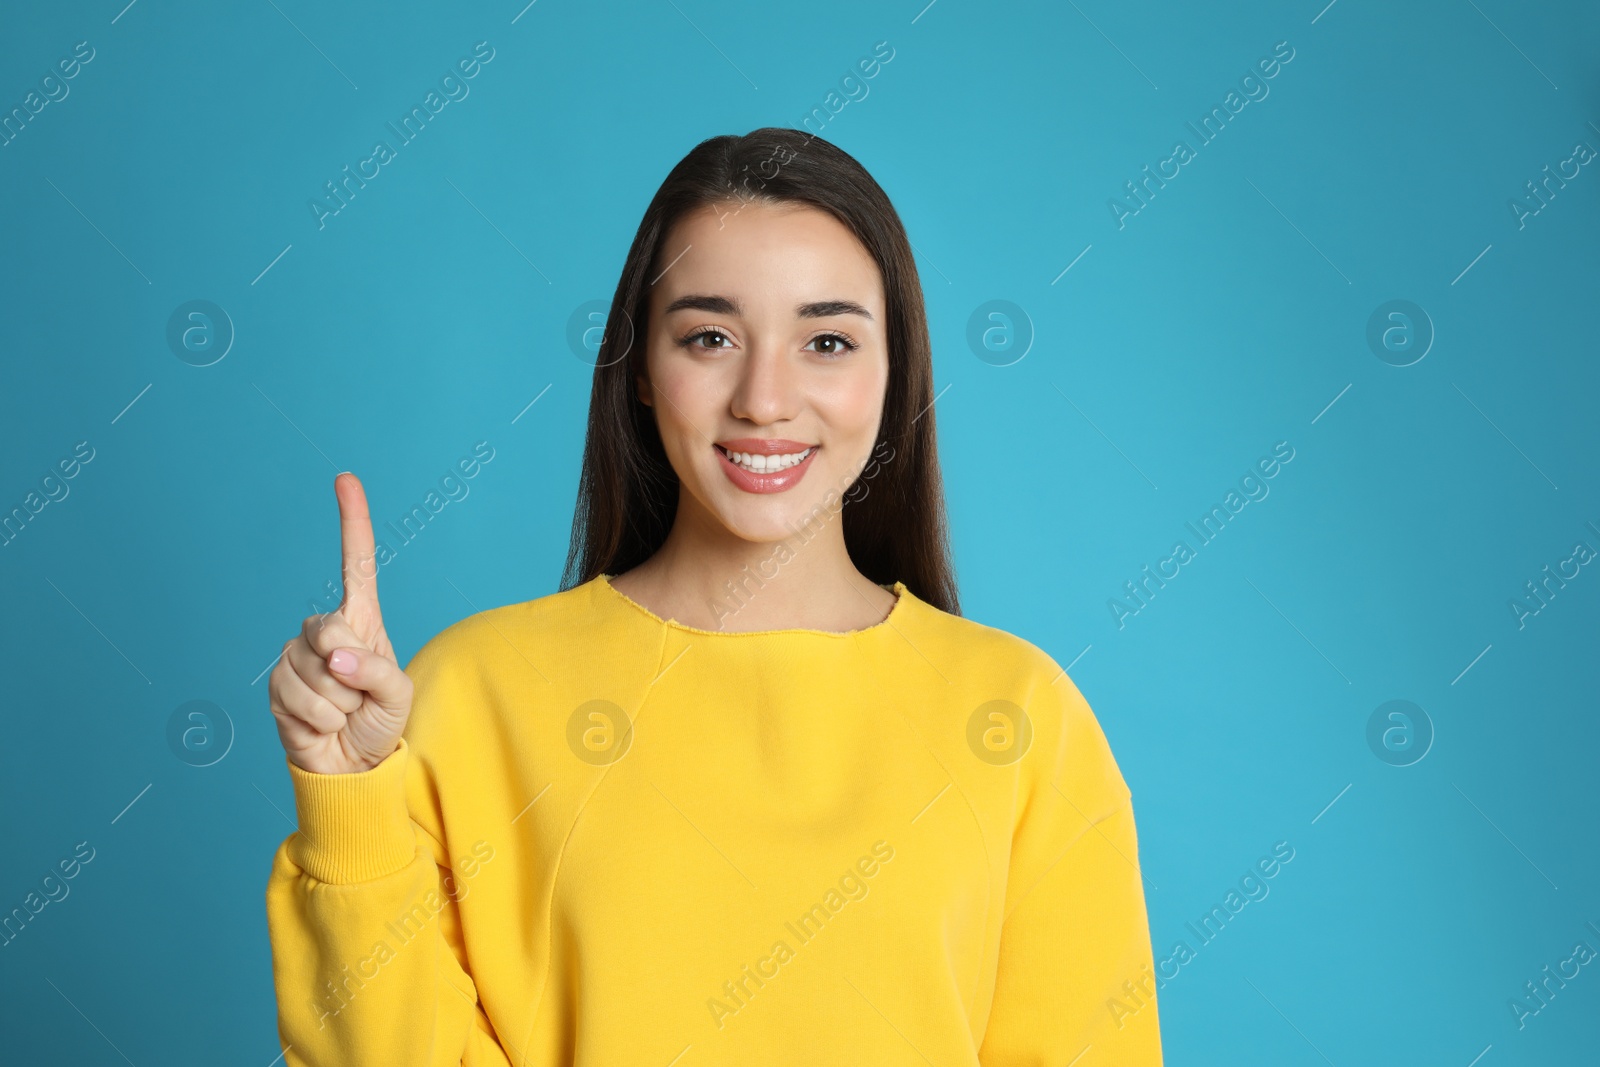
(628,491)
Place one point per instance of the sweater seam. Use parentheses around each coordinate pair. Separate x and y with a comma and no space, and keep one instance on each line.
(1089,824)
(901,604)
(983,844)
(555,874)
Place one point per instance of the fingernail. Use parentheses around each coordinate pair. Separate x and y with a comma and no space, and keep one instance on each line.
(342,662)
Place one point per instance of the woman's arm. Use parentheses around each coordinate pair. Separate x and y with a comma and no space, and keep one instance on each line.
(1075,966)
(367,954)
(367,950)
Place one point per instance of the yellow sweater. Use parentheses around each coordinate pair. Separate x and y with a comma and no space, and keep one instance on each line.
(612,840)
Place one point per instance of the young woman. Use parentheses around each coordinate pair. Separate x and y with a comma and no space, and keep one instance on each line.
(748,789)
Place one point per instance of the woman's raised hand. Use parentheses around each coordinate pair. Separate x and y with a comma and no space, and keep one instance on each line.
(338,693)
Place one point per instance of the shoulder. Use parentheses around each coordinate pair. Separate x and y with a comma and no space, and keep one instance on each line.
(1037,704)
(994,653)
(495,633)
(478,673)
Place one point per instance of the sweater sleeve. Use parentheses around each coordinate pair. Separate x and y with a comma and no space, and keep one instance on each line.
(1075,962)
(367,952)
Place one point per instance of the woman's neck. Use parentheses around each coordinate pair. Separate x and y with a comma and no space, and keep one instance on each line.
(706,576)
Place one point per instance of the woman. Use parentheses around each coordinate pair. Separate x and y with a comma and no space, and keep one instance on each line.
(748,789)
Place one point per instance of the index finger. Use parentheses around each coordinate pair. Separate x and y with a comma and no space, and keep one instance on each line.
(358,554)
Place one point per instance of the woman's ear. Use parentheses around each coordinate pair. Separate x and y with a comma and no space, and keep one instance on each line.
(642,383)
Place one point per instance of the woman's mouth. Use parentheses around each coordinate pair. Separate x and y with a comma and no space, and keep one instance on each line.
(762,466)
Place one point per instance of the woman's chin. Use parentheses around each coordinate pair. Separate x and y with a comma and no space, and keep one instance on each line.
(770,521)
(759,531)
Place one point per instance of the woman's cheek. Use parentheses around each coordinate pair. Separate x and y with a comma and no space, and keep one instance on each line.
(854,408)
(679,401)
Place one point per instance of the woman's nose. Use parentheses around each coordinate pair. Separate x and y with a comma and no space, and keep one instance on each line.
(766,388)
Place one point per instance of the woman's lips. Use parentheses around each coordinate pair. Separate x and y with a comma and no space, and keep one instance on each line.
(769,482)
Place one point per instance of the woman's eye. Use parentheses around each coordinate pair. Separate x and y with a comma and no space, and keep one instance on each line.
(827,344)
(837,344)
(707,333)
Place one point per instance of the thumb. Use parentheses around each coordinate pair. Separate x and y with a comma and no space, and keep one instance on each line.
(378,676)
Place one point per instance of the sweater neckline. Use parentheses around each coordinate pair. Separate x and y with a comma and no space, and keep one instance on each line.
(903,596)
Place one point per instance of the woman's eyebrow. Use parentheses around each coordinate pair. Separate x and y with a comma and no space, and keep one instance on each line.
(824,308)
(721,305)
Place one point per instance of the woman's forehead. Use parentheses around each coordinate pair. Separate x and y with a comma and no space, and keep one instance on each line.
(767,259)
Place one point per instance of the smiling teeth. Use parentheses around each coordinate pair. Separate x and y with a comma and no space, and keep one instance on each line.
(757,463)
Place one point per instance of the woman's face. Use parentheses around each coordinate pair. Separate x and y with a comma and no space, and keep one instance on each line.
(766,346)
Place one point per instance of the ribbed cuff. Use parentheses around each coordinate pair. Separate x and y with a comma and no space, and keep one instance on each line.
(353,827)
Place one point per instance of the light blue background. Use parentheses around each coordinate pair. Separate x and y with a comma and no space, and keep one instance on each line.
(1225,316)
